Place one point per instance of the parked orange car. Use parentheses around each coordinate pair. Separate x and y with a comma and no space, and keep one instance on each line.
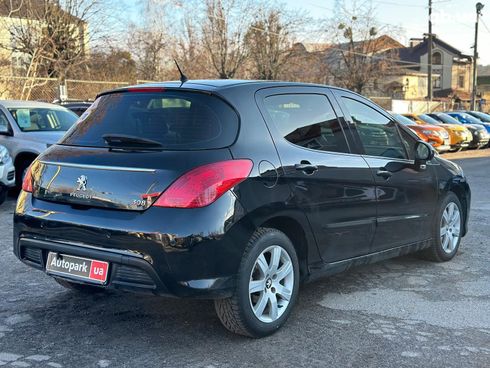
(437,136)
(459,136)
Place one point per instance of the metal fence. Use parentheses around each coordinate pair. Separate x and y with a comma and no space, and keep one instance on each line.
(48,89)
(87,90)
(20,88)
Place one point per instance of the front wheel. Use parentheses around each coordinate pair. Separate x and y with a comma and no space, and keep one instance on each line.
(266,287)
(447,230)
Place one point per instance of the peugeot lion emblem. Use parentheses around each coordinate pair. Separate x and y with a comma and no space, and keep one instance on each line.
(82,182)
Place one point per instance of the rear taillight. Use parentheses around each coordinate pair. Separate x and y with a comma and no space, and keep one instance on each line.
(27,182)
(204,184)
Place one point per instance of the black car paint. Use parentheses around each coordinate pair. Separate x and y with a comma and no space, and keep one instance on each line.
(341,215)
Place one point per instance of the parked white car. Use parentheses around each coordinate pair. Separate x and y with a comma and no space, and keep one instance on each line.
(7,173)
(27,128)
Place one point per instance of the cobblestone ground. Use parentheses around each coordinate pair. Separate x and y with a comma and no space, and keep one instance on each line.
(404,312)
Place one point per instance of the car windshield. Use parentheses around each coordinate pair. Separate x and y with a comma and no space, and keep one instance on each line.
(448,119)
(428,119)
(42,119)
(403,119)
(470,119)
(482,116)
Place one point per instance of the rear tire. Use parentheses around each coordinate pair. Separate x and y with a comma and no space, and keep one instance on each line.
(447,230)
(266,286)
(82,288)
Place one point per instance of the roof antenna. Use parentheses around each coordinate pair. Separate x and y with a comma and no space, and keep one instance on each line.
(183,77)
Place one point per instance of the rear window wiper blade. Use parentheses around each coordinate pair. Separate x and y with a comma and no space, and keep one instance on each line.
(122,140)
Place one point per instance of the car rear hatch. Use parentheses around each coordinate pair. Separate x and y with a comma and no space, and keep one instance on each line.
(131,145)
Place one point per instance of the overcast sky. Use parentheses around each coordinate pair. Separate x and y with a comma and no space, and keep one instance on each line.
(453,20)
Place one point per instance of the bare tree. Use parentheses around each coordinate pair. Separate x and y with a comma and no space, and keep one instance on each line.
(269,42)
(49,38)
(151,42)
(113,65)
(190,52)
(304,65)
(223,31)
(359,54)
(148,46)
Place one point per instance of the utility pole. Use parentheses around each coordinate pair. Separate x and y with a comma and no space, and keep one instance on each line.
(479,7)
(429,55)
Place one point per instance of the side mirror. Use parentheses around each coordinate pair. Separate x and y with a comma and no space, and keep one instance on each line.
(423,152)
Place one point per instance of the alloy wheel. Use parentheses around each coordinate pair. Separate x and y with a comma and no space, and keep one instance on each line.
(450,227)
(271,284)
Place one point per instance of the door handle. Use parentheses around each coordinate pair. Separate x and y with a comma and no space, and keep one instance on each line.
(385,174)
(306,167)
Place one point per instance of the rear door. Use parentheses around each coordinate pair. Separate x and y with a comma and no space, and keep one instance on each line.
(406,195)
(334,187)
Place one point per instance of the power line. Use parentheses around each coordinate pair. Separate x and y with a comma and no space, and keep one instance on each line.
(398,4)
(485,25)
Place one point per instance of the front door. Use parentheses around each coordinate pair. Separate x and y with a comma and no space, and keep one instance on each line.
(406,194)
(334,187)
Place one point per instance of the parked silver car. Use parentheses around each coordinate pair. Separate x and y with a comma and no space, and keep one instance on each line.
(27,128)
(7,173)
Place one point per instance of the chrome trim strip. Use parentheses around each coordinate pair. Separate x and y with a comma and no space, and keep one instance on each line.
(99,167)
(400,218)
(82,245)
(111,250)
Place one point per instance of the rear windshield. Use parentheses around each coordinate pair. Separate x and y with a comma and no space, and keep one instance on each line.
(175,119)
(43,119)
(447,119)
(470,119)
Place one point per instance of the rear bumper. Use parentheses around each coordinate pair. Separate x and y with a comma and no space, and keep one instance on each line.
(127,271)
(187,258)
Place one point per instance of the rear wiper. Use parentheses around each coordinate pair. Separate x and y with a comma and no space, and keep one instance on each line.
(122,140)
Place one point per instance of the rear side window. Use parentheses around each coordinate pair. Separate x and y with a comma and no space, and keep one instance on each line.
(307,120)
(176,119)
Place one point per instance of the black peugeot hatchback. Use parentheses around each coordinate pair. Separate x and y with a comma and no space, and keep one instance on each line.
(236,191)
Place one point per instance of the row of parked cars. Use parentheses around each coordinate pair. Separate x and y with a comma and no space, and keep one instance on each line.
(450,131)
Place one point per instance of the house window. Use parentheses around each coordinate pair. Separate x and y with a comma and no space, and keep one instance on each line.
(436,82)
(461,81)
(436,58)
